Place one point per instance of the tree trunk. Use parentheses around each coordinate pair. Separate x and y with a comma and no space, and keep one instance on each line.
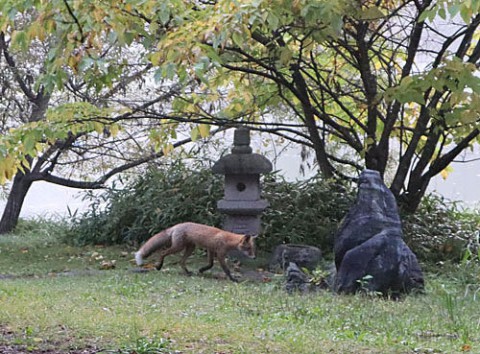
(410,200)
(11,214)
(318,143)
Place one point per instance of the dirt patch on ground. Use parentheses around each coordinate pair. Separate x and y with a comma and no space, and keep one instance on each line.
(19,349)
(7,346)
(258,275)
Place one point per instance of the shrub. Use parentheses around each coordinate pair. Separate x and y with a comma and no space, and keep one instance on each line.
(306,212)
(152,202)
(441,230)
(45,229)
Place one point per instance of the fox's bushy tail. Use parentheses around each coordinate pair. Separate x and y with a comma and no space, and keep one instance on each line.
(156,242)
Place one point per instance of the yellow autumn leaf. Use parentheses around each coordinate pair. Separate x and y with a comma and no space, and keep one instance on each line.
(156,58)
(39,146)
(98,127)
(204,130)
(36,30)
(2,174)
(114,129)
(445,172)
(98,14)
(167,149)
(8,169)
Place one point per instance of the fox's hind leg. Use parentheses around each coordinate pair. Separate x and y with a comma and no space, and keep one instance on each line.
(188,252)
(210,255)
(163,254)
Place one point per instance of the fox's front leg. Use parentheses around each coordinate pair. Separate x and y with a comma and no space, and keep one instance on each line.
(210,256)
(223,264)
(188,251)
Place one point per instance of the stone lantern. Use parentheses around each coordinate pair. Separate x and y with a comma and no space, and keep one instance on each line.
(241,203)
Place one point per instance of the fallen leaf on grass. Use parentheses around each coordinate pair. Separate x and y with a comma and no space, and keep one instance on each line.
(148,266)
(108,264)
(96,256)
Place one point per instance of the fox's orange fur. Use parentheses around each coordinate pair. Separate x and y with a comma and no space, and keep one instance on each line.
(187,236)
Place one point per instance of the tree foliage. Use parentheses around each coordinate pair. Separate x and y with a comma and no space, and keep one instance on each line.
(73,123)
(395,83)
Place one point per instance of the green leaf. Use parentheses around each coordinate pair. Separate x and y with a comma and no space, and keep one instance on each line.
(238,39)
(85,63)
(273,21)
(423,16)
(442,13)
(371,13)
(453,10)
(194,133)
(20,40)
(285,55)
(156,58)
(466,14)
(164,13)
(29,144)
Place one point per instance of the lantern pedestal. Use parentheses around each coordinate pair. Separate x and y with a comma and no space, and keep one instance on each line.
(242,204)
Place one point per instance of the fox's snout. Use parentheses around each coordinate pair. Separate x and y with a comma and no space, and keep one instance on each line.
(248,247)
(249,253)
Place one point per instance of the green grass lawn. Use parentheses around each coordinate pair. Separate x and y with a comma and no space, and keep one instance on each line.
(55,295)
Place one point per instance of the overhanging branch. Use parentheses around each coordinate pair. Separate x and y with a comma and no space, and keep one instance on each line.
(100,182)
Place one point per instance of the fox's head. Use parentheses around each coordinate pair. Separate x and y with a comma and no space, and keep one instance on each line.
(247,246)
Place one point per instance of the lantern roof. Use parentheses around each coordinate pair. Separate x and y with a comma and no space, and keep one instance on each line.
(242,160)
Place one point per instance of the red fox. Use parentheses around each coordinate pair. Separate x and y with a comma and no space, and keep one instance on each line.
(187,236)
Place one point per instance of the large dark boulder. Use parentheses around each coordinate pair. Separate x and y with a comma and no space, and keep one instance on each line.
(370,253)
